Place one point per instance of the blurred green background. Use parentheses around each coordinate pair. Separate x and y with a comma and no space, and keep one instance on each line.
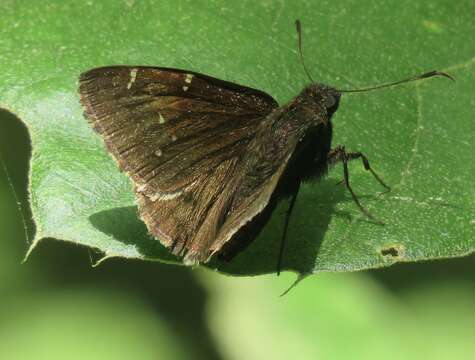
(57,306)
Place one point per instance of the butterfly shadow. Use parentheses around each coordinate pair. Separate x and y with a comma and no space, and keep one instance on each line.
(310,219)
(125,226)
(312,214)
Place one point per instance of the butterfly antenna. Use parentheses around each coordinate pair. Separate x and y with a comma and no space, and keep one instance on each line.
(298,25)
(413,78)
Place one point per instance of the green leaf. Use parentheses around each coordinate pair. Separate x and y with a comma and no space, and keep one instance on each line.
(418,137)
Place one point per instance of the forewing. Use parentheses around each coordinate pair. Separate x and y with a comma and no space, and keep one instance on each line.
(165,126)
(180,136)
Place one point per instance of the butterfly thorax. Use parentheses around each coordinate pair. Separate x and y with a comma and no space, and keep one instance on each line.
(300,130)
(319,102)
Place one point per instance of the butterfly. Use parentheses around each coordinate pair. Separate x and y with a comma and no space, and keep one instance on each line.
(208,158)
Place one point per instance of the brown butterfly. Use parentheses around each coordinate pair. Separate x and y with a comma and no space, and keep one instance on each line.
(210,158)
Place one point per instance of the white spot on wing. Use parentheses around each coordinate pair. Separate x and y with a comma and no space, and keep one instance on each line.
(170,196)
(161,119)
(162,196)
(188,78)
(185,88)
(133,77)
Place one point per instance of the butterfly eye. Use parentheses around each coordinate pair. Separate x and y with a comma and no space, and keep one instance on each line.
(330,101)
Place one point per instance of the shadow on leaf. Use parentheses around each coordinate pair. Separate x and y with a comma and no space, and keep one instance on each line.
(125,226)
(15,153)
(313,212)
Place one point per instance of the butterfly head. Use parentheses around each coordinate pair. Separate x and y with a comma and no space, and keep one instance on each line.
(324,97)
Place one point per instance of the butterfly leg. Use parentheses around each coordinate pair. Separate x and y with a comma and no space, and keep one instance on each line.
(286,226)
(335,156)
(339,154)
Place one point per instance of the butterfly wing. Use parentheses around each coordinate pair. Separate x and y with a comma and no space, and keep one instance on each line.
(165,126)
(222,202)
(181,137)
